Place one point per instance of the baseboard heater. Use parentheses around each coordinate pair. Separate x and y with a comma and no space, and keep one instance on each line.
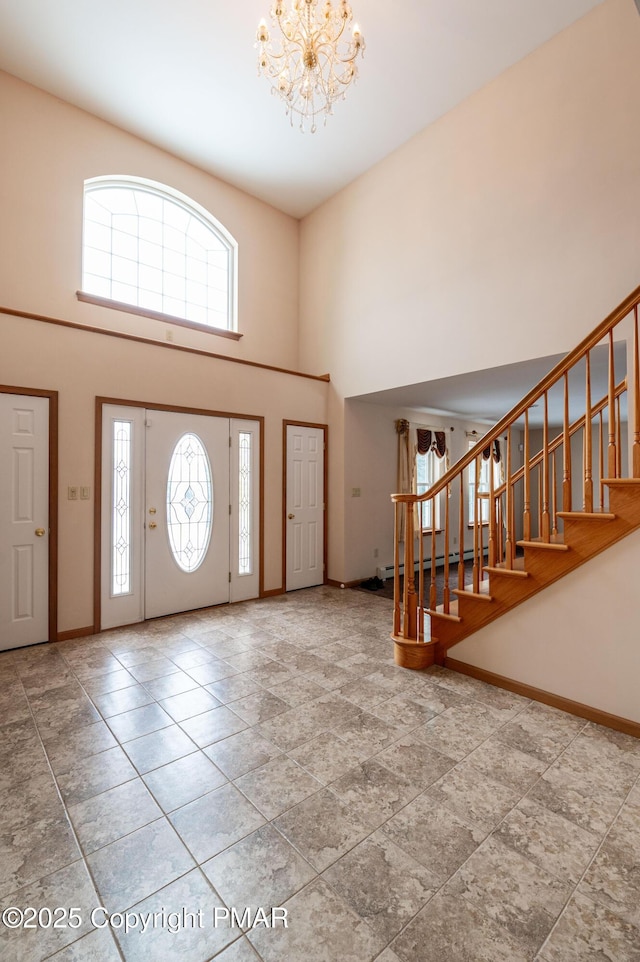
(387,571)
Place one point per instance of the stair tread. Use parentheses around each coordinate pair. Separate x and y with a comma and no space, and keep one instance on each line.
(622,481)
(587,515)
(545,545)
(509,572)
(438,613)
(481,595)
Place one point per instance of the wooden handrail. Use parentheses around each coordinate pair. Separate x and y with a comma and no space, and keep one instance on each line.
(563,366)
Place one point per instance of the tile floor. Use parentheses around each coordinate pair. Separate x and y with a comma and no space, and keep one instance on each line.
(271,754)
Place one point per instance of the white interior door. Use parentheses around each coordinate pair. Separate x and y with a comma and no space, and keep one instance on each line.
(305,507)
(187,512)
(24,520)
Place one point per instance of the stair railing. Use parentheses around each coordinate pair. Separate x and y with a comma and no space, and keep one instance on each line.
(528,499)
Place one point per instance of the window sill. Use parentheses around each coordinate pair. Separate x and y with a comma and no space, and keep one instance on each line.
(430,531)
(155,315)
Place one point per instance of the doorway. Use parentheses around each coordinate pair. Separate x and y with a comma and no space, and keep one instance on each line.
(179,512)
(305,508)
(28,506)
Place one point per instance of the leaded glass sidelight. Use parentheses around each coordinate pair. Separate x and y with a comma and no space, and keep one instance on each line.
(189,503)
(245,534)
(121,509)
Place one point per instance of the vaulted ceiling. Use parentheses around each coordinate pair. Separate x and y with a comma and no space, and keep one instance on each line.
(183,76)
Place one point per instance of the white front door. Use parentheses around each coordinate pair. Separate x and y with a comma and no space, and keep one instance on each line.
(180,512)
(187,512)
(24,520)
(305,507)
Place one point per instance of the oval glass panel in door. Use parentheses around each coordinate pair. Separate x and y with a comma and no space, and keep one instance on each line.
(189,502)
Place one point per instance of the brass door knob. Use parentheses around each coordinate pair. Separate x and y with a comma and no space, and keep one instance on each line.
(152,524)
(40,532)
(291,517)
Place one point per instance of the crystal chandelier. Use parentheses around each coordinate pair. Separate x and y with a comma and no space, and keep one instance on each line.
(311,63)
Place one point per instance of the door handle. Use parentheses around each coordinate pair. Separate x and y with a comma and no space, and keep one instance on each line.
(40,532)
(152,524)
(291,517)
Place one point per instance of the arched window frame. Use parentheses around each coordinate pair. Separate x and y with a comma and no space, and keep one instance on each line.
(193,210)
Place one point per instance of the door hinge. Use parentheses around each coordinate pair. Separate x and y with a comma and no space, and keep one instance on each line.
(229,509)
(229,440)
(229,577)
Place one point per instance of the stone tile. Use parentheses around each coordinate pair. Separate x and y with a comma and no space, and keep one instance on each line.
(159,748)
(271,675)
(541,731)
(515,769)
(34,850)
(196,940)
(367,735)
(326,757)
(234,687)
(98,946)
(92,663)
(450,929)
(215,821)
(211,671)
(407,710)
(240,951)
(259,706)
(67,887)
(330,676)
(322,828)
(293,727)
(104,684)
(259,870)
(588,932)
(155,668)
(550,841)
(433,836)
(137,656)
(513,892)
(137,865)
(193,658)
(373,792)
(94,775)
(29,800)
(170,685)
(574,797)
(277,786)
(382,884)
(54,722)
(241,753)
(613,878)
(138,722)
(212,726)
(325,930)
(189,703)
(475,798)
(414,760)
(100,820)
(75,746)
(365,693)
(184,780)
(122,700)
(458,730)
(29,764)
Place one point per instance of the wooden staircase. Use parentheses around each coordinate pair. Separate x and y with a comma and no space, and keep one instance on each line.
(507,570)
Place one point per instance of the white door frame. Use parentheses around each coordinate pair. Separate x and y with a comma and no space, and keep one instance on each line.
(101,402)
(325,430)
(53,496)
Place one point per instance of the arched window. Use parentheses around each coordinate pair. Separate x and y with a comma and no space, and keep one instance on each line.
(150,247)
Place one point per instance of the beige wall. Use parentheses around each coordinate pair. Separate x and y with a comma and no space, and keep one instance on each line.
(578,638)
(370,465)
(49,149)
(507,230)
(83,366)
